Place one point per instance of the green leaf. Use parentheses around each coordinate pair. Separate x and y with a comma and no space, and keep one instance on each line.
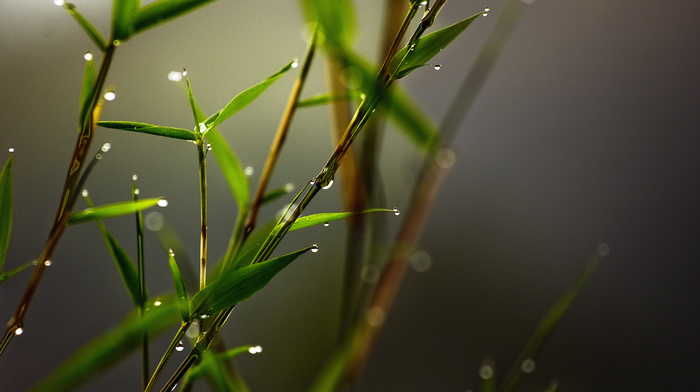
(234,286)
(321,99)
(126,266)
(275,194)
(243,99)
(4,275)
(250,247)
(337,21)
(212,365)
(87,91)
(176,133)
(104,351)
(111,210)
(5,209)
(89,29)
(317,219)
(551,320)
(123,18)
(231,168)
(427,47)
(163,10)
(180,288)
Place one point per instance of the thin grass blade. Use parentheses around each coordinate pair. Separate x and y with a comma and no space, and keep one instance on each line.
(326,217)
(104,351)
(112,210)
(275,194)
(5,209)
(247,252)
(231,168)
(336,18)
(85,24)
(180,289)
(234,286)
(212,366)
(5,275)
(551,320)
(126,266)
(322,99)
(243,99)
(176,133)
(124,18)
(163,10)
(87,91)
(428,46)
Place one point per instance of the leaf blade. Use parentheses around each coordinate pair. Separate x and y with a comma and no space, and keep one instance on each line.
(180,289)
(123,18)
(111,210)
(175,133)
(325,217)
(162,10)
(5,209)
(89,29)
(231,168)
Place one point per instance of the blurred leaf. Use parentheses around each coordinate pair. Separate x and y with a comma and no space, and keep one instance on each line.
(275,194)
(336,18)
(111,210)
(104,351)
(163,10)
(90,30)
(123,18)
(5,209)
(317,219)
(250,247)
(325,98)
(180,288)
(234,286)
(231,168)
(549,322)
(177,133)
(212,366)
(427,47)
(197,113)
(8,274)
(87,91)
(243,99)
(126,267)
(330,377)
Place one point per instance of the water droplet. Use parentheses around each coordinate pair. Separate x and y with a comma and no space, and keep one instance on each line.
(88,56)
(445,158)
(175,76)
(554,384)
(110,95)
(136,191)
(11,149)
(314,248)
(184,72)
(486,372)
(154,221)
(202,127)
(603,249)
(327,224)
(105,147)
(375,316)
(396,211)
(116,42)
(134,177)
(424,2)
(180,346)
(204,316)
(327,186)
(84,193)
(437,67)
(288,187)
(47,263)
(59,3)
(484,14)
(527,366)
(98,156)
(255,349)
(248,171)
(421,261)
(295,64)
(163,202)
(370,274)
(157,302)
(19,331)
(171,253)
(487,9)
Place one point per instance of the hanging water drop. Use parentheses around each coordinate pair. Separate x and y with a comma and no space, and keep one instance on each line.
(11,149)
(175,76)
(88,56)
(157,302)
(18,331)
(184,72)
(486,372)
(171,253)
(134,177)
(327,186)
(163,203)
(110,95)
(255,349)
(193,330)
(137,191)
(248,171)
(396,211)
(314,248)
(327,224)
(47,263)
(527,366)
(59,3)
(105,147)
(84,193)
(180,346)
(437,67)
(295,63)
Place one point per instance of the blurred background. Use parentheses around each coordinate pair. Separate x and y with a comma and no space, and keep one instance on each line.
(585,132)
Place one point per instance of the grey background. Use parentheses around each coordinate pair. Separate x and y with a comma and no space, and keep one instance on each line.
(586,132)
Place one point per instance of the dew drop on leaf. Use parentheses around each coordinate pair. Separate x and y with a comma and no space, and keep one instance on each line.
(19,331)
(327,224)
(47,263)
(136,191)
(134,177)
(11,149)
(180,346)
(396,211)
(110,95)
(527,366)
(314,248)
(175,76)
(327,186)
(59,3)
(163,202)
(437,67)
(84,193)
(87,56)
(105,147)
(248,171)
(255,349)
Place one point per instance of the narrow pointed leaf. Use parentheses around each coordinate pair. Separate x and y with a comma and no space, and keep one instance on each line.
(321,99)
(123,18)
(231,167)
(244,98)
(126,266)
(8,274)
(107,349)
(275,194)
(176,133)
(325,217)
(87,91)
(427,47)
(250,247)
(163,10)
(234,286)
(196,111)
(5,209)
(212,366)
(180,288)
(111,210)
(89,29)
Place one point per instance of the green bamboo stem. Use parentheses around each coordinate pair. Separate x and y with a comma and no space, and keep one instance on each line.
(142,284)
(202,156)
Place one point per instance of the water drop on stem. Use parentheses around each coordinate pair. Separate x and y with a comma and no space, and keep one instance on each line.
(396,211)
(19,331)
(180,346)
(314,248)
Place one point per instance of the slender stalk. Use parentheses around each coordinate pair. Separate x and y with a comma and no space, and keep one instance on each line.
(202,155)
(142,284)
(14,326)
(166,356)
